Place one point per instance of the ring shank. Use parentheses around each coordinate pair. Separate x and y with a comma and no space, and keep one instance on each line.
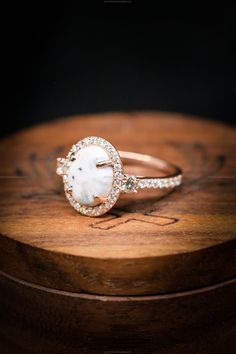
(169,169)
(172,174)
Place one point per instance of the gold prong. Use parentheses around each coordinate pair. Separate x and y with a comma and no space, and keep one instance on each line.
(100,199)
(72,157)
(104,163)
(69,191)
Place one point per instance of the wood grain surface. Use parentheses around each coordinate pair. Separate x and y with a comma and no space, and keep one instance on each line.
(35,320)
(149,243)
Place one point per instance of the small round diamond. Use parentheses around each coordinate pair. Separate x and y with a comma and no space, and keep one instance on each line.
(130,184)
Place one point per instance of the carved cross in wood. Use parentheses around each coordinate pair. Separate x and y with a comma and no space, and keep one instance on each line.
(118,217)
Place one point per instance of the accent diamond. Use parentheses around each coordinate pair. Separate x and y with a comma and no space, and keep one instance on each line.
(130,184)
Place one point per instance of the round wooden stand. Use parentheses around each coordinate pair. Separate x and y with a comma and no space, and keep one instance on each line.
(154,275)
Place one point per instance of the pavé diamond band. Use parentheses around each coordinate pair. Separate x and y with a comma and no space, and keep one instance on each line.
(93,175)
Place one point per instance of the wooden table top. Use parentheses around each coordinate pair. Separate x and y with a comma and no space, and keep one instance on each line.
(149,243)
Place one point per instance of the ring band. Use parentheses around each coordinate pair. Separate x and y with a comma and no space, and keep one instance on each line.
(93,175)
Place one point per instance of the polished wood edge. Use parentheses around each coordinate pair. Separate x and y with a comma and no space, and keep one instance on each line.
(119,298)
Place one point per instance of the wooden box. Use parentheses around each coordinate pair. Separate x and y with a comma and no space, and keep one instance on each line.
(155,275)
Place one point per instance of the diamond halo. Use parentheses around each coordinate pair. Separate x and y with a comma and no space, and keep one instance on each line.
(63,165)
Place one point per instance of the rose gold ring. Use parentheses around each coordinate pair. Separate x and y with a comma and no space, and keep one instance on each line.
(93,175)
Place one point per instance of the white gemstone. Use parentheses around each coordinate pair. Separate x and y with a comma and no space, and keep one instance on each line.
(88,181)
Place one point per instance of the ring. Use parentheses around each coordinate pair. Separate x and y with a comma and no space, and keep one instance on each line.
(93,175)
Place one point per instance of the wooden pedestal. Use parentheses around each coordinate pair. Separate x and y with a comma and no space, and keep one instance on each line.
(154,275)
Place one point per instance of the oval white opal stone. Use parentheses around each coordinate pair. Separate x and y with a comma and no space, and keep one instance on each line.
(88,181)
